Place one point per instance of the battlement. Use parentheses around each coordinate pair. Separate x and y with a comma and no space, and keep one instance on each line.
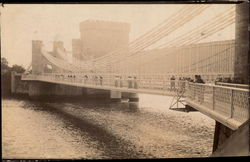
(36,46)
(37,42)
(104,25)
(56,45)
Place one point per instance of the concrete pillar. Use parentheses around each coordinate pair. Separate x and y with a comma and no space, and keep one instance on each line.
(241,63)
(115,95)
(133,97)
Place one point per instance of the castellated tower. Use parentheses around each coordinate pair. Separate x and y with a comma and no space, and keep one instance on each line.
(98,38)
(37,58)
(56,45)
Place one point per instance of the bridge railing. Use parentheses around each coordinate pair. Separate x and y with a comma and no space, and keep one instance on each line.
(29,76)
(228,101)
(145,82)
(233,85)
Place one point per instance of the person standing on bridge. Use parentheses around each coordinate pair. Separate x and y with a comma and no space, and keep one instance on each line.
(100,77)
(96,80)
(85,79)
(121,85)
(70,78)
(201,89)
(62,77)
(182,84)
(172,83)
(116,80)
(229,80)
(135,83)
(129,82)
(218,79)
(198,79)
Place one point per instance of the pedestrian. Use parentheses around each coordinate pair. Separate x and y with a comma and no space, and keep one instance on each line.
(229,80)
(200,88)
(129,82)
(172,83)
(121,85)
(85,79)
(218,79)
(135,83)
(234,80)
(100,79)
(182,81)
(62,76)
(96,80)
(116,81)
(198,79)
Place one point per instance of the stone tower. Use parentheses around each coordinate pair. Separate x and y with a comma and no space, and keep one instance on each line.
(241,65)
(37,58)
(98,38)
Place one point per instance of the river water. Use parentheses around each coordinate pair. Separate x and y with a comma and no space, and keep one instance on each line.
(98,129)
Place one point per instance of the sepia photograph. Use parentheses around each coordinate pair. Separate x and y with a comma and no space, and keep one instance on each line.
(125,80)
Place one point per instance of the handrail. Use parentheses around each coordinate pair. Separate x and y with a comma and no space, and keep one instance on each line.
(227,105)
(219,86)
(232,84)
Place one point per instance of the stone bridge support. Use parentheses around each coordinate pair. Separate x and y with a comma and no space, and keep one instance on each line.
(96,93)
(38,89)
(231,143)
(115,95)
(133,97)
(241,63)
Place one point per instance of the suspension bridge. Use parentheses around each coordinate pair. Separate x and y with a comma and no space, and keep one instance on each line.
(136,69)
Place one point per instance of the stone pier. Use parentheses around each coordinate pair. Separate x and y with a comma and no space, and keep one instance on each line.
(133,97)
(231,143)
(115,95)
(38,89)
(96,93)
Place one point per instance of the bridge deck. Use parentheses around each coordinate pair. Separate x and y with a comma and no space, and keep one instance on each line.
(227,105)
(157,90)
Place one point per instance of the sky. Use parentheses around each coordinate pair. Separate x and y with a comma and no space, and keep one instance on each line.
(22,23)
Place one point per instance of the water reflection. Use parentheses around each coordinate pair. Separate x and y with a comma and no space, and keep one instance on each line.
(126,107)
(94,129)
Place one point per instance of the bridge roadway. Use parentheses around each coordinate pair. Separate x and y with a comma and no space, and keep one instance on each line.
(227,105)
